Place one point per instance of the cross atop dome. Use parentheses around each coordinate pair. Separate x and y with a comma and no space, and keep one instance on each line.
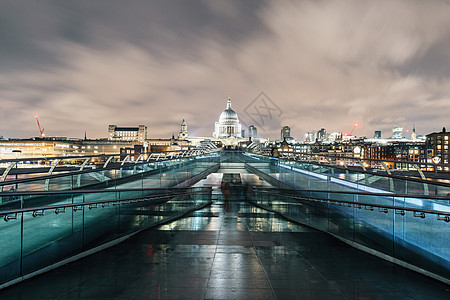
(229,103)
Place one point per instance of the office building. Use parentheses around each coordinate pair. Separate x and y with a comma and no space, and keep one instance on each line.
(285,132)
(252,131)
(322,135)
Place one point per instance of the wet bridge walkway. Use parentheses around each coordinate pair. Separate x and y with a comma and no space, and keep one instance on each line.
(230,250)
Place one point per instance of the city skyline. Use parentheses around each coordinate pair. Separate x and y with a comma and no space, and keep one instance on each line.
(82,65)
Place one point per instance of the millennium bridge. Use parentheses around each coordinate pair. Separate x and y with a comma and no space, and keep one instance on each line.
(217,224)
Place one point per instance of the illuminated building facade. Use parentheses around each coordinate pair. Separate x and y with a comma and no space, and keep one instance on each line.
(310,137)
(138,134)
(397,132)
(228,124)
(183,134)
(438,147)
(47,147)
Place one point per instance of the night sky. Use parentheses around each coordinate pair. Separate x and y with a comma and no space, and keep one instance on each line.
(82,65)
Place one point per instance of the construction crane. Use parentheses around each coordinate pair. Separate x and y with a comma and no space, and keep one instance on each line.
(354,126)
(41,130)
(351,131)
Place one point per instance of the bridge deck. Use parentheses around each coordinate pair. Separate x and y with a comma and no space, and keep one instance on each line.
(230,251)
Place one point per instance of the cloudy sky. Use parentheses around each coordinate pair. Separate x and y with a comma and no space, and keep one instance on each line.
(82,65)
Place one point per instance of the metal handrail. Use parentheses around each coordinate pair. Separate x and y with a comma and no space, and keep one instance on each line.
(415,179)
(78,156)
(77,172)
(107,157)
(367,159)
(52,193)
(370,206)
(57,175)
(268,190)
(357,159)
(39,210)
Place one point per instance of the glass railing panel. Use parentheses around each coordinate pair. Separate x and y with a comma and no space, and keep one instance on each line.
(100,223)
(60,183)
(340,173)
(382,199)
(373,225)
(352,176)
(32,186)
(312,176)
(316,183)
(11,188)
(139,168)
(301,180)
(286,205)
(418,238)
(176,204)
(10,201)
(97,196)
(439,190)
(37,200)
(135,181)
(417,188)
(125,171)
(379,183)
(50,237)
(153,180)
(146,167)
(180,174)
(23,186)
(130,194)
(134,216)
(423,241)
(340,216)
(399,186)
(11,239)
(167,178)
(110,174)
(316,214)
(86,180)
(109,178)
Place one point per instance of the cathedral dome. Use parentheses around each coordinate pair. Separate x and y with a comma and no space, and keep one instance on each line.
(228,124)
(228,116)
